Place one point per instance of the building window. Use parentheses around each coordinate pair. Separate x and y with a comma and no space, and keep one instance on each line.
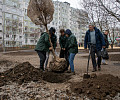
(14,36)
(20,43)
(20,37)
(7,36)
(26,28)
(53,23)
(20,24)
(32,41)
(31,29)
(20,30)
(7,43)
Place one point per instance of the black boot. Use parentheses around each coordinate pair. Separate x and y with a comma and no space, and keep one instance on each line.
(41,69)
(99,68)
(94,70)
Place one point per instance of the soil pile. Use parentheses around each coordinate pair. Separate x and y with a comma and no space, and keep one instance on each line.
(114,57)
(5,63)
(25,72)
(98,88)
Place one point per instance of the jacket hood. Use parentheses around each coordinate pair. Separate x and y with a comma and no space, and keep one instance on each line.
(68,31)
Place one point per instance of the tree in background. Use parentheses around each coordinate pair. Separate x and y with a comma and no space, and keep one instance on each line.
(101,18)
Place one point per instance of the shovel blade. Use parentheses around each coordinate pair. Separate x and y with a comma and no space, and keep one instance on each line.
(86,76)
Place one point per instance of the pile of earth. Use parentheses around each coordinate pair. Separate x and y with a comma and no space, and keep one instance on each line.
(25,72)
(114,57)
(99,88)
(113,50)
(6,63)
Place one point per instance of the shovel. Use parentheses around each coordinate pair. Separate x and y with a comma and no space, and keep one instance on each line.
(86,76)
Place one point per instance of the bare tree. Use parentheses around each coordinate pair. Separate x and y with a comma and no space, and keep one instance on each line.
(101,18)
(96,15)
(112,7)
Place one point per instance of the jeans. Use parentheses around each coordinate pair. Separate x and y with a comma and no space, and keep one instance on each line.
(103,61)
(42,56)
(47,58)
(93,52)
(71,61)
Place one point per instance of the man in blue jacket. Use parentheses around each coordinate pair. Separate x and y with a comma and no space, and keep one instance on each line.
(94,37)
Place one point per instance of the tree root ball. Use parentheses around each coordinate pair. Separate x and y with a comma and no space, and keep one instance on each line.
(58,65)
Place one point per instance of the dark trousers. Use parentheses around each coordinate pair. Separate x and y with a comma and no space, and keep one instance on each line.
(62,53)
(93,52)
(42,56)
(65,54)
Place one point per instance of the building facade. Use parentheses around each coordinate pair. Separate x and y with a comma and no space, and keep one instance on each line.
(12,22)
(67,17)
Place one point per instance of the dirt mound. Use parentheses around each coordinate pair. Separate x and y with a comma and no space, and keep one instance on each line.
(25,72)
(6,63)
(98,88)
(114,57)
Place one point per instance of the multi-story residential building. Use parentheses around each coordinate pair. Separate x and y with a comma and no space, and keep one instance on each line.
(69,18)
(12,22)
(61,17)
(78,23)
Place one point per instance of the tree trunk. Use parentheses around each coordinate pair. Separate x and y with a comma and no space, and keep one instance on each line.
(53,52)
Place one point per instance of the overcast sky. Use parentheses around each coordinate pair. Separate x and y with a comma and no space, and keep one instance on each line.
(73,3)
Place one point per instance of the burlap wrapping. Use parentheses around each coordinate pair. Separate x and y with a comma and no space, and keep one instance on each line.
(59,65)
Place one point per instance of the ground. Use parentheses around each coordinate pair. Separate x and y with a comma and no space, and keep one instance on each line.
(47,90)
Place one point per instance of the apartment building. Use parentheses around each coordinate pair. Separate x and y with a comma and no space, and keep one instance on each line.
(12,22)
(61,17)
(68,17)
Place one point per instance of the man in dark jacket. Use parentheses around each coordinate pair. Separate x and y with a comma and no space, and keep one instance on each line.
(42,47)
(54,43)
(105,35)
(94,36)
(72,48)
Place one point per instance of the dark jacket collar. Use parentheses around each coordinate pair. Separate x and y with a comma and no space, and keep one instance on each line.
(95,28)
